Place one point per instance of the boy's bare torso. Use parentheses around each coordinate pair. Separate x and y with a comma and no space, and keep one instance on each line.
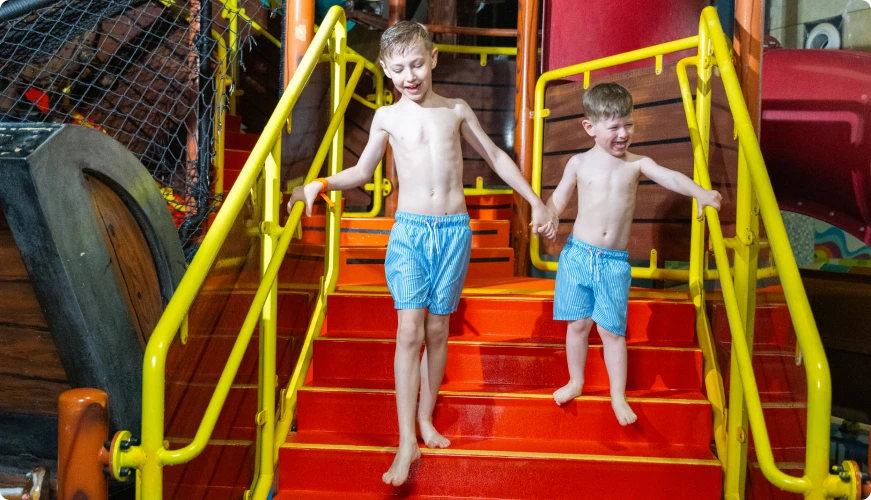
(428,154)
(606,198)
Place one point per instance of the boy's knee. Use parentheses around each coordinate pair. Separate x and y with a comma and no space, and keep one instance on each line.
(410,336)
(608,336)
(437,326)
(580,327)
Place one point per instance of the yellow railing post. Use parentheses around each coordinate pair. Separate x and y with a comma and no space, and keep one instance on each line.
(265,416)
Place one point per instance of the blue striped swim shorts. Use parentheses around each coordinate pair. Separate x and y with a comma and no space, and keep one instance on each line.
(592,282)
(427,260)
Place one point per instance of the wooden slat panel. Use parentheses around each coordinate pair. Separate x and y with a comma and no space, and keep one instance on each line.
(31,375)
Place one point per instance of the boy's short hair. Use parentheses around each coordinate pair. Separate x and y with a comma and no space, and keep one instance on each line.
(403,35)
(606,101)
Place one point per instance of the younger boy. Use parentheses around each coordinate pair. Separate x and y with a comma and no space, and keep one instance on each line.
(430,243)
(592,281)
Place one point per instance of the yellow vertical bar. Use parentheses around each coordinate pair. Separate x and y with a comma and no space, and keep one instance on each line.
(334,217)
(265,417)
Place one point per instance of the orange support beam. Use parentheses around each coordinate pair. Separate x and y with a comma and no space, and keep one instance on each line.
(83,426)
(299,26)
(527,48)
(749,32)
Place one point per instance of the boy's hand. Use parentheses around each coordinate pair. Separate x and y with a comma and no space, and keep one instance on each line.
(711,199)
(544,222)
(307,193)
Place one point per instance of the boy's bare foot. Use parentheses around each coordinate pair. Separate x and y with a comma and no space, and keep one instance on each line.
(431,436)
(624,413)
(568,392)
(398,472)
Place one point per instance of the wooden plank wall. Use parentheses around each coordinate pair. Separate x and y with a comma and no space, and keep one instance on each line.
(31,374)
(662,218)
(489,90)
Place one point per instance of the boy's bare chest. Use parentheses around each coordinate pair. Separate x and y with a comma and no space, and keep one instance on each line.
(610,178)
(425,129)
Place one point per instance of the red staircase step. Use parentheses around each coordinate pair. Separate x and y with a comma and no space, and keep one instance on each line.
(240,141)
(495,319)
(224,465)
(787,431)
(759,488)
(202,359)
(232,123)
(459,472)
(773,327)
(375,232)
(777,376)
(186,404)
(369,364)
(505,416)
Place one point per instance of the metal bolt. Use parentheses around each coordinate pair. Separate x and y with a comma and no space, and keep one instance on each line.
(124,445)
(108,445)
(124,472)
(134,441)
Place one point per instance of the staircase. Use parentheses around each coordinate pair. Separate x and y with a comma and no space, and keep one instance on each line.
(506,356)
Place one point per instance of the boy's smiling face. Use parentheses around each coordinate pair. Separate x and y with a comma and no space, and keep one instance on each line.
(411,70)
(613,135)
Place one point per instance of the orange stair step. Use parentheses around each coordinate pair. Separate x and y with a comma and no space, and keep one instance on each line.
(505,416)
(465,471)
(224,464)
(490,207)
(504,319)
(375,232)
(369,364)
(777,375)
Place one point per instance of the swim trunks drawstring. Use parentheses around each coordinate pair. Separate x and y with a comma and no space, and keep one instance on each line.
(434,240)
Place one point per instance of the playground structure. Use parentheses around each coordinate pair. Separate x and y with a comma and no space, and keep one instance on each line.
(249,280)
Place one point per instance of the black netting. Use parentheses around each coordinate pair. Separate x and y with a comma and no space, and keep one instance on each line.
(142,71)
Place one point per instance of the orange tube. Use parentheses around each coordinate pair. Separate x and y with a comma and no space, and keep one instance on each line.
(83,426)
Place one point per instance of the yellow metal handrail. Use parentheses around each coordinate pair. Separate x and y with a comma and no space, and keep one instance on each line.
(483,52)
(153,454)
(713,48)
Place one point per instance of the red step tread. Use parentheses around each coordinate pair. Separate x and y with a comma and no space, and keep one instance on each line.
(240,141)
(542,365)
(202,359)
(222,464)
(501,318)
(506,416)
(186,404)
(441,473)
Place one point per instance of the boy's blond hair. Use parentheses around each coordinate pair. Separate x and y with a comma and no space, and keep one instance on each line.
(402,36)
(606,101)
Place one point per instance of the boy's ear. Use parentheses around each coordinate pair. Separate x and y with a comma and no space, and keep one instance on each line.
(434,56)
(588,126)
(383,66)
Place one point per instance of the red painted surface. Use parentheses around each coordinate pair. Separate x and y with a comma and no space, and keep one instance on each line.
(575,33)
(815,139)
(369,364)
(357,474)
(494,319)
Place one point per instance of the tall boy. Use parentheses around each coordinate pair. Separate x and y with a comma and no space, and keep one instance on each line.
(430,243)
(592,282)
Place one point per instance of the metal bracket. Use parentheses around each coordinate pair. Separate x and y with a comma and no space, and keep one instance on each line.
(260,418)
(183,334)
(386,187)
(748,237)
(282,404)
(740,434)
(545,112)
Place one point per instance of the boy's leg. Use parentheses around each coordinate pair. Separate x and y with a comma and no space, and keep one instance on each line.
(614,347)
(432,370)
(577,341)
(406,371)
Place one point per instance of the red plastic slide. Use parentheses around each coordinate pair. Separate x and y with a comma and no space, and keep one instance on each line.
(816,115)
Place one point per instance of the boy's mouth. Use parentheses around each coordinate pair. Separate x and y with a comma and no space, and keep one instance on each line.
(412,88)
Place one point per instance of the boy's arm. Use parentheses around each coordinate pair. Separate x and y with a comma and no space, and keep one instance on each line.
(679,183)
(352,177)
(543,220)
(560,197)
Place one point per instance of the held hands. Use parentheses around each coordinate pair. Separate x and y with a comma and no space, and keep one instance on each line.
(710,198)
(544,222)
(307,194)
